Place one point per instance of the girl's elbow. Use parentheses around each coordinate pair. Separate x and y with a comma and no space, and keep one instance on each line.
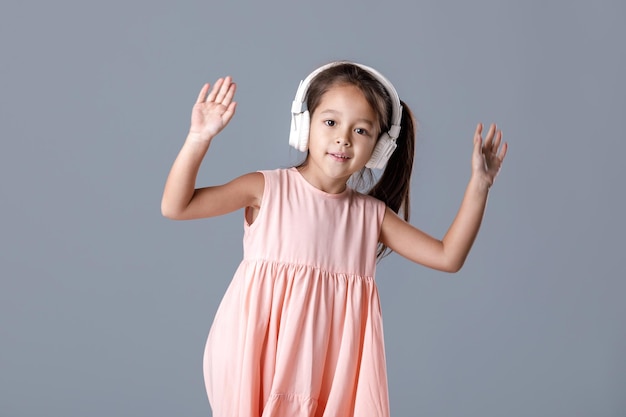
(449,269)
(453,266)
(167,214)
(170,213)
(452,260)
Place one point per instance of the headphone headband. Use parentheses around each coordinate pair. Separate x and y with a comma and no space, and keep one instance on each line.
(386,144)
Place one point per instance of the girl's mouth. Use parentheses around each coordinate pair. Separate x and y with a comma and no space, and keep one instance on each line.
(339,157)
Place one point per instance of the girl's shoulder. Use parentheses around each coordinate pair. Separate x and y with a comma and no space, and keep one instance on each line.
(272,176)
(276,172)
(369,200)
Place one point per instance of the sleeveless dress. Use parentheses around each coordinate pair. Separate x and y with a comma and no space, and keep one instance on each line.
(299,330)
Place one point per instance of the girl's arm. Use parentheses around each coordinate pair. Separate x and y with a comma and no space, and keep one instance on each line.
(450,253)
(181,200)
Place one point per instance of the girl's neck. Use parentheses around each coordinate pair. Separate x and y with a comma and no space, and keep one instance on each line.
(322,182)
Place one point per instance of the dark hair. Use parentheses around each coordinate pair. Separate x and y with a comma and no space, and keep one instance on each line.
(394,184)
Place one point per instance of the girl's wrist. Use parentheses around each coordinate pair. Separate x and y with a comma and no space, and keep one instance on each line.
(198,137)
(479,184)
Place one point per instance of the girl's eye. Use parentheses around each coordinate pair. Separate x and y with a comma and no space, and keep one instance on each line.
(360,131)
(329,123)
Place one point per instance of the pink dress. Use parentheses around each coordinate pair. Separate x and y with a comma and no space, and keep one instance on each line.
(299,331)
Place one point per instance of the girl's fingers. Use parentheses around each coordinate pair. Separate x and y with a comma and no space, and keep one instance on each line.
(502,153)
(202,95)
(478,144)
(215,89)
(223,90)
(498,141)
(500,147)
(230,93)
(489,138)
(230,111)
(479,130)
(478,141)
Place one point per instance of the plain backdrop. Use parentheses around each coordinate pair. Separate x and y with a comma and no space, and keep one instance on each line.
(105,305)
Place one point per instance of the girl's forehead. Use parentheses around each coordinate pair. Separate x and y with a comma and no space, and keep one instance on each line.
(348,101)
(343,87)
(346,94)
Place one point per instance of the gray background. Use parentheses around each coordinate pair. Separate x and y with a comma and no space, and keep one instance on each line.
(105,305)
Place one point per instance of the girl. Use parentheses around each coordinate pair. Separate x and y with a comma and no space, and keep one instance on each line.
(299,330)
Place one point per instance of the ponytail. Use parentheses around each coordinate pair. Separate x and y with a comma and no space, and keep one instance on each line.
(394,185)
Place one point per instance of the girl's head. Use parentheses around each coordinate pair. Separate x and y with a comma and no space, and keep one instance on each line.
(374,88)
(348,74)
(393,185)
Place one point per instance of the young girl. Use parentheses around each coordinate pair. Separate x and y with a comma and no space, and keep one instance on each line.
(299,331)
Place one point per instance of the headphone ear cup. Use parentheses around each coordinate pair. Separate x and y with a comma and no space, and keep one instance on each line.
(304,131)
(299,134)
(382,152)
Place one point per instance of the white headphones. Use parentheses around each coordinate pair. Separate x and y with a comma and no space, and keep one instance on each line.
(300,118)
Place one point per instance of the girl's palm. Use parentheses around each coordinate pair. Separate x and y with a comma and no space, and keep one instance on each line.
(212,112)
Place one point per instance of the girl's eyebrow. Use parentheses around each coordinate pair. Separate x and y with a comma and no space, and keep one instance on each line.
(338,113)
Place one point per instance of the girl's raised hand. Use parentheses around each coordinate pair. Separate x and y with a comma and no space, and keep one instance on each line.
(488,156)
(213,111)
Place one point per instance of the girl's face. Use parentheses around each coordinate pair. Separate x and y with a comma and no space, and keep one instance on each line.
(343,132)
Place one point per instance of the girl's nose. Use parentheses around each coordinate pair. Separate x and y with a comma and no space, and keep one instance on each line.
(342,140)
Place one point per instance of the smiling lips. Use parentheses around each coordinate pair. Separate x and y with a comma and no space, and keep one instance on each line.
(341,157)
